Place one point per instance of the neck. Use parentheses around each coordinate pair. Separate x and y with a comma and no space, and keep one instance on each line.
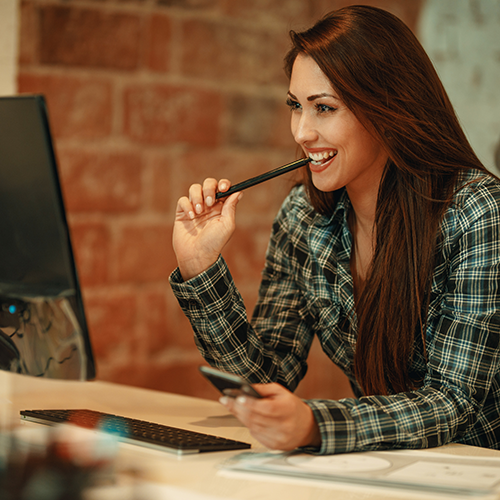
(363,194)
(363,207)
(363,237)
(362,223)
(363,197)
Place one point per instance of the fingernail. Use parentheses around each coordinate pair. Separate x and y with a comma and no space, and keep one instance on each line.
(223,400)
(198,208)
(191,215)
(223,186)
(241,400)
(209,201)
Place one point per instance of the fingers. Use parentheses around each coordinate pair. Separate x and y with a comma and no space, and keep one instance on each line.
(211,187)
(224,185)
(202,227)
(202,196)
(280,420)
(184,209)
(248,409)
(268,429)
(196,197)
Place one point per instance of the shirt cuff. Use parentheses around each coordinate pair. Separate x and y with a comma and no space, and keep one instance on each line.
(208,292)
(336,426)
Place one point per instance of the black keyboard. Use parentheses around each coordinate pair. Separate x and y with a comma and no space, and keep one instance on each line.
(140,432)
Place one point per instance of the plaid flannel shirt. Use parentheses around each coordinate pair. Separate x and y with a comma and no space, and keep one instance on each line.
(307,290)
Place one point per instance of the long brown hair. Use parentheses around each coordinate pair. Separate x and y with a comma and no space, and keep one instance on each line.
(383,75)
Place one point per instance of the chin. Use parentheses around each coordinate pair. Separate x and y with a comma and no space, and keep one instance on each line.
(324,185)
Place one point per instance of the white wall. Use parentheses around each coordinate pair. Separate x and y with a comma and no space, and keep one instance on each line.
(9,18)
(8,69)
(462,37)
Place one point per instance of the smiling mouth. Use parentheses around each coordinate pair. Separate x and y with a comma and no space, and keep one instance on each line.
(321,158)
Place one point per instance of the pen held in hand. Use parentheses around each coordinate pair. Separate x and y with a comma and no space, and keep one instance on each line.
(264,177)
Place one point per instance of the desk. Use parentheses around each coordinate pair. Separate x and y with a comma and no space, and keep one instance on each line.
(197,474)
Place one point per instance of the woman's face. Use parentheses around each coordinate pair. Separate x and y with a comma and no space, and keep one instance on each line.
(344,153)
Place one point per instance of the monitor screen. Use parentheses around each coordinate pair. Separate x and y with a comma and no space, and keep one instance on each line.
(43,331)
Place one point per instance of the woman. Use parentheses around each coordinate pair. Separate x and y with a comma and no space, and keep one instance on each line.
(389,252)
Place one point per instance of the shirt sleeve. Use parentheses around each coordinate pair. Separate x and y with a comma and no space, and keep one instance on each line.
(462,351)
(273,347)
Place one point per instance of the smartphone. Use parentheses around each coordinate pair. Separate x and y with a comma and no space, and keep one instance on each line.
(229,384)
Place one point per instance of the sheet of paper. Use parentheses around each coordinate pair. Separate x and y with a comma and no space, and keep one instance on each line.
(449,474)
(416,470)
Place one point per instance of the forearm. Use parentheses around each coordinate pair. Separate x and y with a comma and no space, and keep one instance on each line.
(222,331)
(424,418)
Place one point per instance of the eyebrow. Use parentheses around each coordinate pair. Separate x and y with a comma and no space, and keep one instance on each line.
(315,96)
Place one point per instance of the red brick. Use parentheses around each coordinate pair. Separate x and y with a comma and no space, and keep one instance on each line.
(78,107)
(163,114)
(189,4)
(245,253)
(235,165)
(131,373)
(158,43)
(28,42)
(181,378)
(272,13)
(100,181)
(74,36)
(223,53)
(179,332)
(162,324)
(162,168)
(91,247)
(258,121)
(154,320)
(111,316)
(143,252)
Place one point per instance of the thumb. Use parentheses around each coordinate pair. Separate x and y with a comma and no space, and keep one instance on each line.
(229,207)
(270,389)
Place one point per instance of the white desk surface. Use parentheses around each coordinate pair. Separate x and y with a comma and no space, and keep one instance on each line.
(197,475)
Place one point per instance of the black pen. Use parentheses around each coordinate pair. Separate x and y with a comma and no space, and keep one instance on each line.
(264,177)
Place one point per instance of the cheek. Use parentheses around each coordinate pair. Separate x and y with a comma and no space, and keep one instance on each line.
(338,131)
(294,122)
(364,142)
(372,147)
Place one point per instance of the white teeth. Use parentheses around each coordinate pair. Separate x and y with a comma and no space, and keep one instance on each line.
(318,157)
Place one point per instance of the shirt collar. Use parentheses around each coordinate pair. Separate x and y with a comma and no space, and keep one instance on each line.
(339,214)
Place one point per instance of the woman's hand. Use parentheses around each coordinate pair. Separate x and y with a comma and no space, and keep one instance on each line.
(280,420)
(203,226)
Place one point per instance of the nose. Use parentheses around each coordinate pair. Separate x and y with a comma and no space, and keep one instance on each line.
(303,128)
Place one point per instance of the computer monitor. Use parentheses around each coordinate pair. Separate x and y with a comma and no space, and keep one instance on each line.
(43,331)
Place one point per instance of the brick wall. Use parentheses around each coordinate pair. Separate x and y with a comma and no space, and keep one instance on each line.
(145,98)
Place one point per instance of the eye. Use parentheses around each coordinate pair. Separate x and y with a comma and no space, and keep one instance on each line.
(324,108)
(293,105)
